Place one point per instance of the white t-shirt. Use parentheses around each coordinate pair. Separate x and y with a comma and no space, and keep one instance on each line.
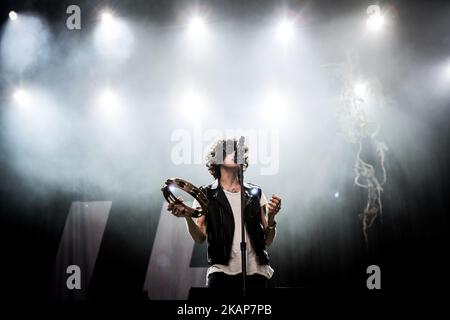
(235,263)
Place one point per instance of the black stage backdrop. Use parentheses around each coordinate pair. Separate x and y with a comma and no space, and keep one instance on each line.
(134,246)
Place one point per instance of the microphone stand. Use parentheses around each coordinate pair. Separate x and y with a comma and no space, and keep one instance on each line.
(240,160)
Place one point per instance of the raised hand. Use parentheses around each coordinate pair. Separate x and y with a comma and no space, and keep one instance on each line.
(274,205)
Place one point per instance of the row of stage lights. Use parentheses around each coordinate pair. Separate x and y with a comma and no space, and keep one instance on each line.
(284,31)
(285,28)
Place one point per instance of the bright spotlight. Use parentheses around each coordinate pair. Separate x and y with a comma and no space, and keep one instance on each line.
(106,17)
(336,195)
(375,22)
(13,15)
(360,89)
(21,97)
(197,27)
(274,107)
(113,38)
(447,70)
(24,43)
(108,101)
(193,106)
(285,30)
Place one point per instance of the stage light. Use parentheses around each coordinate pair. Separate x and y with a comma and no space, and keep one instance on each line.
(375,22)
(108,102)
(360,89)
(106,17)
(197,27)
(108,98)
(285,30)
(336,195)
(25,43)
(113,38)
(13,15)
(192,106)
(274,107)
(446,69)
(21,97)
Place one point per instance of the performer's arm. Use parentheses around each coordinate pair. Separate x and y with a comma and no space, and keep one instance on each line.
(268,213)
(197,229)
(270,233)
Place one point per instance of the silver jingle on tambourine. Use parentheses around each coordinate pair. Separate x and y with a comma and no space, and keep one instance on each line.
(184,185)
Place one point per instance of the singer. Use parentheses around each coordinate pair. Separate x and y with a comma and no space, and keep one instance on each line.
(221,226)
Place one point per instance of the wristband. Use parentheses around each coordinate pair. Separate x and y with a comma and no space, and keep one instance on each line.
(272,226)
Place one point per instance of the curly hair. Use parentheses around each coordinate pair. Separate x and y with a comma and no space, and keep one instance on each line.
(217,153)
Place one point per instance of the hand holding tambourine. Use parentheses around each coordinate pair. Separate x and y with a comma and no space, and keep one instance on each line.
(176,204)
(179,209)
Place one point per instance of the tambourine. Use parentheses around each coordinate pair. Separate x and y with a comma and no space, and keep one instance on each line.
(188,187)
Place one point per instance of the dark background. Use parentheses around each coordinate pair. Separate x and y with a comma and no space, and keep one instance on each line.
(410,246)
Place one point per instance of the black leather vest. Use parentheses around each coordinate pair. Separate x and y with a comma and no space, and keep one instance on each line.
(220,223)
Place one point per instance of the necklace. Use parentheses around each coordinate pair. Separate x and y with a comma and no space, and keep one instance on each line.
(232,189)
